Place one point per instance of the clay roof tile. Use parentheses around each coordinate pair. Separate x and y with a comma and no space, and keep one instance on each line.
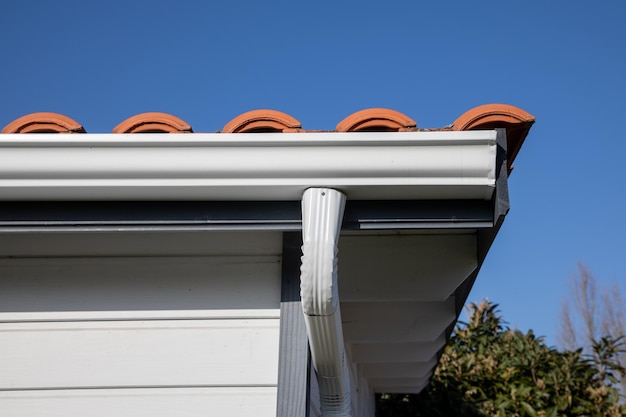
(262,120)
(43,122)
(376,119)
(516,121)
(152,122)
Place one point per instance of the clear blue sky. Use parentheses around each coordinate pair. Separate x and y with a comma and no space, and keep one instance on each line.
(206,62)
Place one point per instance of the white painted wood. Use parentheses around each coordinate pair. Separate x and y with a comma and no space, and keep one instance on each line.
(139,353)
(399,370)
(93,244)
(145,402)
(364,165)
(140,283)
(364,399)
(130,315)
(396,302)
(142,335)
(396,322)
(395,352)
(399,385)
(363,404)
(405,267)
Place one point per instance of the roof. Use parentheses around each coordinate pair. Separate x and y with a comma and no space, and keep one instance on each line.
(516,121)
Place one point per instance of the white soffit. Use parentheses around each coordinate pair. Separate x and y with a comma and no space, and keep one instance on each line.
(247,166)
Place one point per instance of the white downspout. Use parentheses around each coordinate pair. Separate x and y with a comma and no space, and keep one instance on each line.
(322,215)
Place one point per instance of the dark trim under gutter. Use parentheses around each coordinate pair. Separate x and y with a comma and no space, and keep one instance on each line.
(281,215)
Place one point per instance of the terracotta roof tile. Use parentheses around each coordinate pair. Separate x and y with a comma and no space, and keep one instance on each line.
(376,119)
(262,121)
(43,122)
(516,121)
(153,122)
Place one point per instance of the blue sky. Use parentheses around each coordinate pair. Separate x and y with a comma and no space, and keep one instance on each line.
(206,62)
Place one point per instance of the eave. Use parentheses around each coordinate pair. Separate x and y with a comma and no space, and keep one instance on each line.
(403,182)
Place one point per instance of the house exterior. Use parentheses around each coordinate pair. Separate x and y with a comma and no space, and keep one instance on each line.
(265,270)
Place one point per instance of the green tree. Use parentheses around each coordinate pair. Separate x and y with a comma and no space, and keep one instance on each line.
(488,369)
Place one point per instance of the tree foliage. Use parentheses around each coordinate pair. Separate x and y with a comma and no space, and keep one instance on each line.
(488,369)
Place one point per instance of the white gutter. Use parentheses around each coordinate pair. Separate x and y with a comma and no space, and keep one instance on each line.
(322,215)
(252,166)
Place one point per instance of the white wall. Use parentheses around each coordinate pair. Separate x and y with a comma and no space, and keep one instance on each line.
(147,334)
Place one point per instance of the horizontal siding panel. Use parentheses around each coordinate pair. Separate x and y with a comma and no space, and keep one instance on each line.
(141,244)
(126,315)
(145,283)
(139,353)
(154,402)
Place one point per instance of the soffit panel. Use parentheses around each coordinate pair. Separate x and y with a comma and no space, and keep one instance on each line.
(404,268)
(389,352)
(393,322)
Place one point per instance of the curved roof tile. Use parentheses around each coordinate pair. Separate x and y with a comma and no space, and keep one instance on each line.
(152,122)
(44,122)
(262,120)
(376,119)
(516,121)
(489,114)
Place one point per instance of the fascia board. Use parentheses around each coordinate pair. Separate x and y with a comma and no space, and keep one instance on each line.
(247,167)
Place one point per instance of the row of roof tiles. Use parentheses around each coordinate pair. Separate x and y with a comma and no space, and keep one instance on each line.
(374,119)
(516,121)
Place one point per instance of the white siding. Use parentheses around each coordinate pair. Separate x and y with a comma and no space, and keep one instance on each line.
(361,395)
(138,284)
(142,402)
(85,354)
(142,335)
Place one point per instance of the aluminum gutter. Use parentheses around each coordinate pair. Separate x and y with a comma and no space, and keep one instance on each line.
(247,166)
